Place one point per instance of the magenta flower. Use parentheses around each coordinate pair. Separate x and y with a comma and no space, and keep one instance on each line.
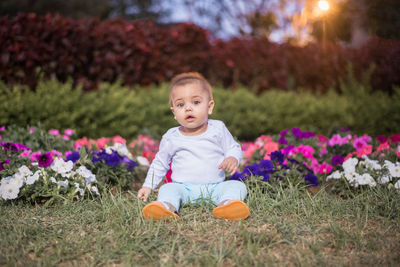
(65,137)
(69,132)
(337,160)
(325,168)
(25,154)
(31,130)
(359,143)
(54,132)
(7,161)
(44,160)
(2,128)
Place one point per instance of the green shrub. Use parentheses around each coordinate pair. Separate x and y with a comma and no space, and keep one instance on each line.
(118,110)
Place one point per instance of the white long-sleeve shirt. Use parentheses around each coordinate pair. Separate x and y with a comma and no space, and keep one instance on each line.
(195,159)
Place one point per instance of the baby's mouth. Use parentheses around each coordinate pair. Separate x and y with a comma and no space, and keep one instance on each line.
(189,118)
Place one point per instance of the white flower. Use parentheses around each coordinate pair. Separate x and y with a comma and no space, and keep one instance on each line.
(63,183)
(95,190)
(9,188)
(32,178)
(109,150)
(81,191)
(24,170)
(352,177)
(142,161)
(366,179)
(384,179)
(350,165)
(62,167)
(397,185)
(388,164)
(18,179)
(90,179)
(394,170)
(84,172)
(372,164)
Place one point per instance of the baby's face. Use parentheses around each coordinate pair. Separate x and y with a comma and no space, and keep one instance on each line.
(191,106)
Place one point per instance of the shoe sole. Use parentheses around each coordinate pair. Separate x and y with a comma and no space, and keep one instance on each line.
(235,210)
(157,211)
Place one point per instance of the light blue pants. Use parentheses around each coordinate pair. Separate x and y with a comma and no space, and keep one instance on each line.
(182,193)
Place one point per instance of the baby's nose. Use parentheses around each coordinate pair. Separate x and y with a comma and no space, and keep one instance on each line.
(188,107)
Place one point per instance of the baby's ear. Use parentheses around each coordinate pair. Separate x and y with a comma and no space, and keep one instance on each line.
(211,105)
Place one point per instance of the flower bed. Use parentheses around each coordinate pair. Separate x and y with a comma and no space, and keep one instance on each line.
(33,170)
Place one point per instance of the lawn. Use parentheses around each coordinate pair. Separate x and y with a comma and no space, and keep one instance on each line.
(288,225)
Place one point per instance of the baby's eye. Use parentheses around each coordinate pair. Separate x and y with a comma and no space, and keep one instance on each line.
(180,105)
(196,102)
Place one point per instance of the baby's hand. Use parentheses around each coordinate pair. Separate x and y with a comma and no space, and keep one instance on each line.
(229,164)
(144,193)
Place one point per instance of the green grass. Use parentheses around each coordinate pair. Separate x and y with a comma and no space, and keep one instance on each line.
(287,226)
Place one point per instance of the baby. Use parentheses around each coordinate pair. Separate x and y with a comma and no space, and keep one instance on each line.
(200,150)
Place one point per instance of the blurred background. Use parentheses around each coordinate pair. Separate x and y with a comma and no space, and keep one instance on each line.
(316,64)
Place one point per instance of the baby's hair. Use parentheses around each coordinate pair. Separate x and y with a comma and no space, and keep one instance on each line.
(189,78)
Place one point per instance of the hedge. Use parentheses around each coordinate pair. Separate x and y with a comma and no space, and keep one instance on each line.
(143,53)
(118,110)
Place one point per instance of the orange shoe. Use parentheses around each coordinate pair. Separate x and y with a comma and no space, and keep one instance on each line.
(157,211)
(234,210)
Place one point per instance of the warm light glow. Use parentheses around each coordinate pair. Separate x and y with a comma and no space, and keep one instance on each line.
(324,5)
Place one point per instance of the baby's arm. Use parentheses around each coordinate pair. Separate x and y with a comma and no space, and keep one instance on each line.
(229,164)
(144,193)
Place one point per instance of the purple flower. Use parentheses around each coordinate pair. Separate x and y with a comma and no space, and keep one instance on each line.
(7,161)
(14,146)
(282,141)
(287,149)
(311,179)
(277,156)
(345,129)
(284,132)
(266,165)
(381,138)
(297,133)
(73,156)
(337,160)
(9,146)
(44,160)
(130,164)
(237,176)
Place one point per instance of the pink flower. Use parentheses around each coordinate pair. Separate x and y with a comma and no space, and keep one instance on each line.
(25,154)
(325,168)
(366,138)
(336,139)
(54,132)
(69,132)
(270,147)
(359,143)
(118,139)
(307,151)
(383,146)
(102,142)
(249,149)
(55,152)
(34,155)
(65,137)
(349,156)
(31,130)
(80,142)
(2,128)
(345,139)
(67,153)
(323,139)
(365,150)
